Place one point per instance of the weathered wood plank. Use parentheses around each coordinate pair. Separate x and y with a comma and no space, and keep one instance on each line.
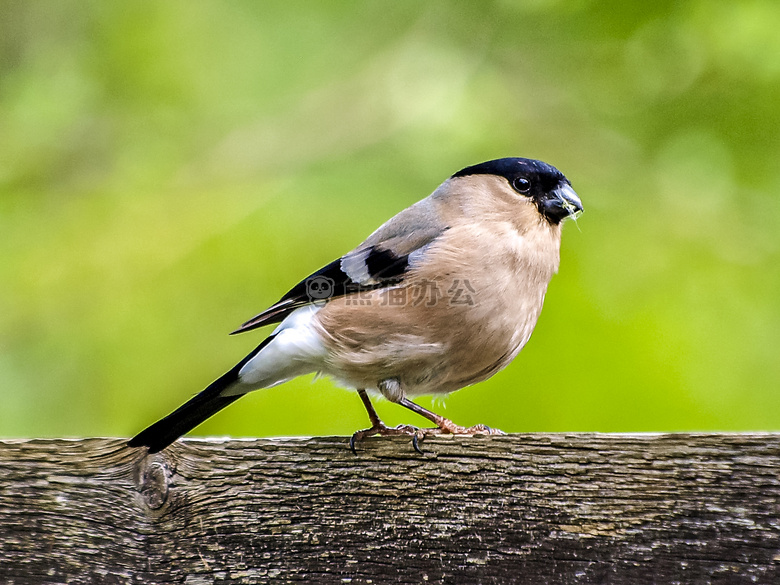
(574,508)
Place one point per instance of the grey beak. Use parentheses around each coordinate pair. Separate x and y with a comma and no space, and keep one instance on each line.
(560,203)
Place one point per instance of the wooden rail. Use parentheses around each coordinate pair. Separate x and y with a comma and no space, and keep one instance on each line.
(532,508)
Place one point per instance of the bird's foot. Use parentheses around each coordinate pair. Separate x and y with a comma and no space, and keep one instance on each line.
(382,429)
(447,427)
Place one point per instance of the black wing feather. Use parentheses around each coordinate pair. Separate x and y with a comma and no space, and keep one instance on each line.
(384,268)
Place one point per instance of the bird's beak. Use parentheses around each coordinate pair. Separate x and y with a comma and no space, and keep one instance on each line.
(560,203)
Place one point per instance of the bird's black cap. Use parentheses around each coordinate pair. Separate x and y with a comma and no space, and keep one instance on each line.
(511,168)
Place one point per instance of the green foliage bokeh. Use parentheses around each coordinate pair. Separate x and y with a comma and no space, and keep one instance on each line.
(169,169)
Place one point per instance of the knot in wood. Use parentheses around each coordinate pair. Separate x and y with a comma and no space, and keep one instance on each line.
(154,485)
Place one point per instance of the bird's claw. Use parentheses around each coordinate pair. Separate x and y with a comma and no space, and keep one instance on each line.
(416,442)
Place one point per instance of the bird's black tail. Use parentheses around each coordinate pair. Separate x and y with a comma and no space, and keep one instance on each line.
(193,412)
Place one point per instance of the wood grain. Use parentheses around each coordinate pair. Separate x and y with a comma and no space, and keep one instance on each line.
(535,508)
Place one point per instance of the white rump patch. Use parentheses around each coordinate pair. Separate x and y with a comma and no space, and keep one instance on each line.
(296,349)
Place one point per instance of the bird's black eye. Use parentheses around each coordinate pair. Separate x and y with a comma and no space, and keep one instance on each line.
(521,185)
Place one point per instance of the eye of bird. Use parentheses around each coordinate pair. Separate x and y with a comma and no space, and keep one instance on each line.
(522,185)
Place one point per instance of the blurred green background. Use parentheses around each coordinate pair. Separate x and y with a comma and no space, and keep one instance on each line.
(169,169)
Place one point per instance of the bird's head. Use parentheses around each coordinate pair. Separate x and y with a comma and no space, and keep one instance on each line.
(540,183)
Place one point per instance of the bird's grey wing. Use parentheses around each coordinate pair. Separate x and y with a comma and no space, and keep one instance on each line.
(380,261)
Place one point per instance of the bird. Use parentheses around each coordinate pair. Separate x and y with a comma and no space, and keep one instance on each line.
(441,296)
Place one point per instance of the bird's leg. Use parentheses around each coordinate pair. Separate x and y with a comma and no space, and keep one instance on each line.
(392,390)
(373,417)
(444,425)
(377,426)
